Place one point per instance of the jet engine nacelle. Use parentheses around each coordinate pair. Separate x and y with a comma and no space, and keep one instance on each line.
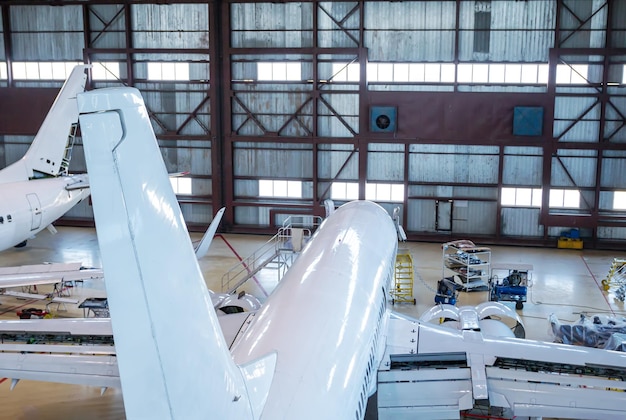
(491,318)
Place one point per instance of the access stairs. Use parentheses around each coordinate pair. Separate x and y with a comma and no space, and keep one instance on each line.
(617,278)
(403,278)
(278,253)
(67,155)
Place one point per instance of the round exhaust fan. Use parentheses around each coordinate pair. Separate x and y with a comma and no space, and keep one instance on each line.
(383,119)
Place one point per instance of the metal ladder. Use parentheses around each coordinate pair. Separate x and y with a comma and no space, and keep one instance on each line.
(67,154)
(403,278)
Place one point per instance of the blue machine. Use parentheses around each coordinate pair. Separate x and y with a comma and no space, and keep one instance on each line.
(447,291)
(512,288)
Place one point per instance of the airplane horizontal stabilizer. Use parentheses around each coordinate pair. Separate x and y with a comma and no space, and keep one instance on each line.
(172,364)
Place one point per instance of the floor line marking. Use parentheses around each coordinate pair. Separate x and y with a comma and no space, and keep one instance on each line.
(598,284)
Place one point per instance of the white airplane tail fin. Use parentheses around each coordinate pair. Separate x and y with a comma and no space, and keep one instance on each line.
(207,238)
(48,153)
(173,363)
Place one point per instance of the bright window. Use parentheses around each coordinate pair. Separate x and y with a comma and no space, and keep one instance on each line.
(619,200)
(564,198)
(181,185)
(575,74)
(105,71)
(279,71)
(345,72)
(168,71)
(44,70)
(3,70)
(520,197)
(344,191)
(384,192)
(280,188)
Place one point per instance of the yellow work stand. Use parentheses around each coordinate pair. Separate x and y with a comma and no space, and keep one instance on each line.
(617,274)
(403,284)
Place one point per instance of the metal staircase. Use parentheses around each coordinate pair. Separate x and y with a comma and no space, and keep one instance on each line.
(278,253)
(403,278)
(67,155)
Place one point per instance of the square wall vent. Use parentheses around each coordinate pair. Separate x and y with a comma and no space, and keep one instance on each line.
(383,119)
(528,121)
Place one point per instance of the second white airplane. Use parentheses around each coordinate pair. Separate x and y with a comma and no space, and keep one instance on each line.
(37,189)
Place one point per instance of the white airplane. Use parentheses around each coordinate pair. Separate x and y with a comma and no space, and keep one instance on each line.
(37,189)
(323,342)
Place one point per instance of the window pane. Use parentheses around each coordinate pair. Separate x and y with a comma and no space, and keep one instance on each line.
(294,189)
(339,72)
(154,71)
(280,188)
(447,73)
(512,73)
(571,198)
(563,74)
(579,74)
(352,190)
(507,197)
(496,73)
(383,192)
(45,71)
(266,188)
(464,73)
(372,72)
(182,71)
(385,72)
(481,73)
(401,72)
(279,71)
(354,72)
(19,70)
(168,71)
(58,71)
(431,72)
(556,198)
(293,71)
(416,72)
(529,73)
(32,71)
(3,70)
(523,197)
(338,191)
(542,73)
(536,197)
(619,200)
(397,192)
(264,71)
(370,192)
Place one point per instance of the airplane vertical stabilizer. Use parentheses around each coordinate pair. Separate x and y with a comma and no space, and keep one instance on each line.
(47,150)
(173,363)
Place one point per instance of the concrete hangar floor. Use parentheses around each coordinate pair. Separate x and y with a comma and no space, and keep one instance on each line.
(566,282)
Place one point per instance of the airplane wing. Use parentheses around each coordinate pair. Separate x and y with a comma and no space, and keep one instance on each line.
(74,351)
(28,275)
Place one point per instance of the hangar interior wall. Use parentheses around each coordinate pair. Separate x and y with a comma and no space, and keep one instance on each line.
(481,99)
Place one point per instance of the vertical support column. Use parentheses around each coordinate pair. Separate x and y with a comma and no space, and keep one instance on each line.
(128,27)
(216,101)
(8,51)
(219,31)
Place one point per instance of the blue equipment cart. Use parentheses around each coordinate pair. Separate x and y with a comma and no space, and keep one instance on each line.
(509,282)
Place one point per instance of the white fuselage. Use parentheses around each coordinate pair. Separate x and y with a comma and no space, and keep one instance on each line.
(326,317)
(27,207)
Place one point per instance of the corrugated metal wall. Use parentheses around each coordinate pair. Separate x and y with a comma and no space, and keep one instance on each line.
(318,130)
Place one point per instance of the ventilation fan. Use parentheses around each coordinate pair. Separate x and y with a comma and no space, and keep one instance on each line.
(383,119)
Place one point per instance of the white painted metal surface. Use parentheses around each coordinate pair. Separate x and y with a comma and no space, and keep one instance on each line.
(28,202)
(182,368)
(324,317)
